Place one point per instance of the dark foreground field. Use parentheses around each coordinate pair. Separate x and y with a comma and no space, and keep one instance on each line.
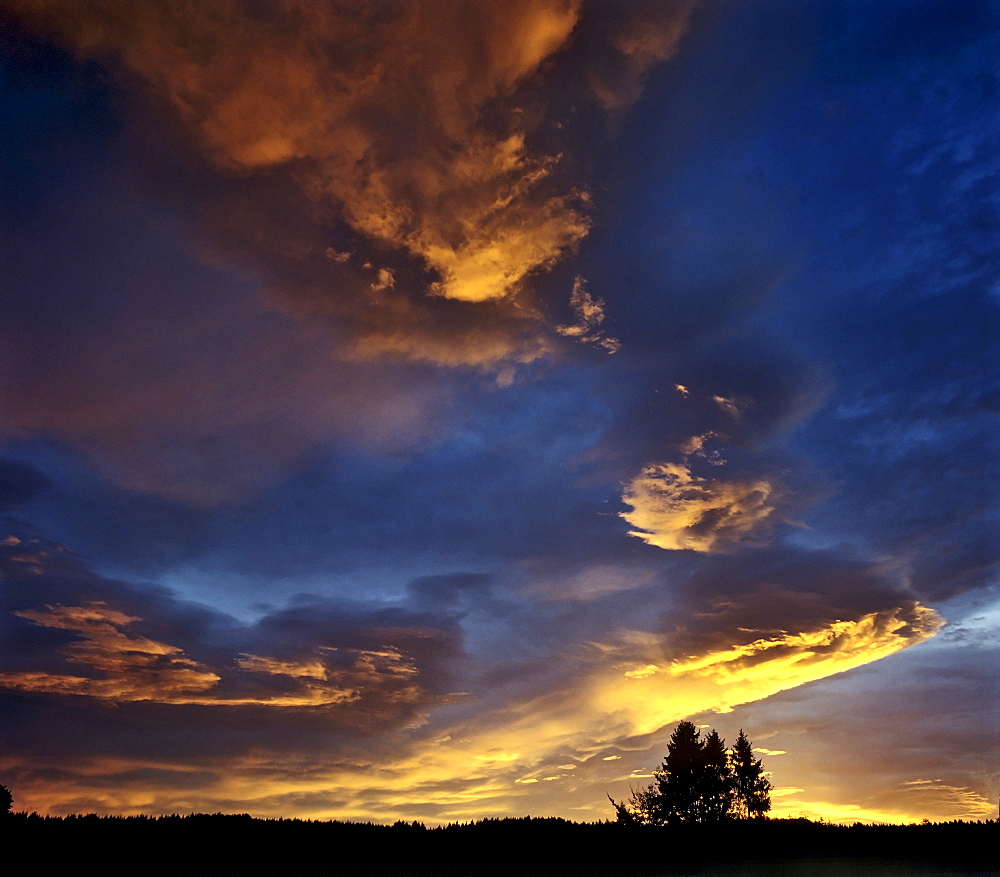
(240,845)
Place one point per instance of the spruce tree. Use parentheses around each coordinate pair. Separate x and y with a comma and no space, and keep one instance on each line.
(677,784)
(716,782)
(751,788)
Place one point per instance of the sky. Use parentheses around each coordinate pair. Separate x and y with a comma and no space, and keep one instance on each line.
(413,410)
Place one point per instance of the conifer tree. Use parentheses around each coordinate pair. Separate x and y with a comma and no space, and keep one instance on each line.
(676,790)
(751,788)
(716,781)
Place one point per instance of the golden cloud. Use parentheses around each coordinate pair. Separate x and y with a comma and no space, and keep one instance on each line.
(657,692)
(421,125)
(274,667)
(674,509)
(134,668)
(398,329)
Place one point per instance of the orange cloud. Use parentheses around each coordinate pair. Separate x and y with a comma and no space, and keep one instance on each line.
(295,669)
(133,668)
(398,329)
(382,108)
(648,694)
(420,125)
(137,669)
(490,756)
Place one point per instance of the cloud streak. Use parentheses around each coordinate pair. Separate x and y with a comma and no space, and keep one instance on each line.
(135,669)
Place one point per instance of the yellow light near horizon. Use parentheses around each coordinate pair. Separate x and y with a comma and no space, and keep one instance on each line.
(965,804)
(484,764)
(498,755)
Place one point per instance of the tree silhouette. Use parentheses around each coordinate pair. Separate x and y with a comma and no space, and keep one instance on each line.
(676,789)
(699,781)
(751,788)
(716,781)
(6,800)
(676,793)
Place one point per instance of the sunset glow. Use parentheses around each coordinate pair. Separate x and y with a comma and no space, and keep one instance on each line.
(413,411)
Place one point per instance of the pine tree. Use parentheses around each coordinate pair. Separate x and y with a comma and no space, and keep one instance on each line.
(751,788)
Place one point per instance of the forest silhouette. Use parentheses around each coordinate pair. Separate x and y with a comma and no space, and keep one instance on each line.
(241,845)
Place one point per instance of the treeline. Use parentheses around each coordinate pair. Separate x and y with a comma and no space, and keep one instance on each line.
(241,845)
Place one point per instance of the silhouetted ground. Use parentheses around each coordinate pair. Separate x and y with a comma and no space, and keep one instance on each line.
(202,845)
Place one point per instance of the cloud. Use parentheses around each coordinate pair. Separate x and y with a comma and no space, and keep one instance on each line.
(369,663)
(448,334)
(217,394)
(906,809)
(196,312)
(898,750)
(130,668)
(645,696)
(482,760)
(134,669)
(425,134)
(383,109)
(589,316)
(321,669)
(674,509)
(648,35)
(385,279)
(765,593)
(339,256)
(295,669)
(730,406)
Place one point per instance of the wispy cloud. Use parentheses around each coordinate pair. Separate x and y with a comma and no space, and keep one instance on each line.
(589,317)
